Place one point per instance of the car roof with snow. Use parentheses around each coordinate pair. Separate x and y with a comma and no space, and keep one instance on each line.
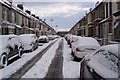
(114,48)
(43,37)
(4,38)
(87,41)
(27,37)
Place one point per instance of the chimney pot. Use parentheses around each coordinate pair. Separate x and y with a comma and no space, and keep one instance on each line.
(20,6)
(27,11)
(37,17)
(33,15)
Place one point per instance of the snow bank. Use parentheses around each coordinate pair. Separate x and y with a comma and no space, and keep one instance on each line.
(12,68)
(71,69)
(40,69)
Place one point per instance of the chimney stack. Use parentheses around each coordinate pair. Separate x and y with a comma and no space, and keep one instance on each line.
(20,6)
(27,11)
(90,9)
(37,17)
(33,15)
(96,3)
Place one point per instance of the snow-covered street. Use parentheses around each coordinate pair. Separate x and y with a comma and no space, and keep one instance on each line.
(70,69)
(59,40)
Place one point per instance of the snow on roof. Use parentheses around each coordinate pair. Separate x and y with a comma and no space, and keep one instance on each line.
(6,3)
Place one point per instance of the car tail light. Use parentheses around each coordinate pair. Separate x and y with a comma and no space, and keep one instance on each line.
(77,49)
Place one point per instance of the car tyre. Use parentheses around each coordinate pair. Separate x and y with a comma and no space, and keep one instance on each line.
(4,61)
(72,53)
(77,59)
(20,52)
(32,50)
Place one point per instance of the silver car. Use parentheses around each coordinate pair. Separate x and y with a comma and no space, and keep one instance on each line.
(10,48)
(29,41)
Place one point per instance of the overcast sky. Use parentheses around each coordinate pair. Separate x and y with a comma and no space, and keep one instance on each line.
(64,13)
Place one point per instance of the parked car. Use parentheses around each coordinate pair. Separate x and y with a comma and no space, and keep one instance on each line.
(43,39)
(51,37)
(103,64)
(56,36)
(67,37)
(29,41)
(83,46)
(72,39)
(10,48)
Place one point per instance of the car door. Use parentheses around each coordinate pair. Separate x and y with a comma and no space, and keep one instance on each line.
(13,47)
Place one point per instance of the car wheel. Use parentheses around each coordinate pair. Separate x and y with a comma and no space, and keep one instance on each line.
(32,50)
(77,59)
(70,46)
(72,53)
(3,61)
(20,52)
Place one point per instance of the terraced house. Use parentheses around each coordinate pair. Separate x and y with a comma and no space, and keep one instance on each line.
(102,22)
(16,20)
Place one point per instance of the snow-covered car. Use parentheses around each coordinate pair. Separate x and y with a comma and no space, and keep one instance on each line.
(84,46)
(67,37)
(10,47)
(51,37)
(72,39)
(103,64)
(29,41)
(43,39)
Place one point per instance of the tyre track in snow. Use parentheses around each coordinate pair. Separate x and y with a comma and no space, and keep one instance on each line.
(55,68)
(19,73)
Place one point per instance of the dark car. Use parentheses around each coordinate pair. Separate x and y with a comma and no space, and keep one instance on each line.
(102,65)
(10,47)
